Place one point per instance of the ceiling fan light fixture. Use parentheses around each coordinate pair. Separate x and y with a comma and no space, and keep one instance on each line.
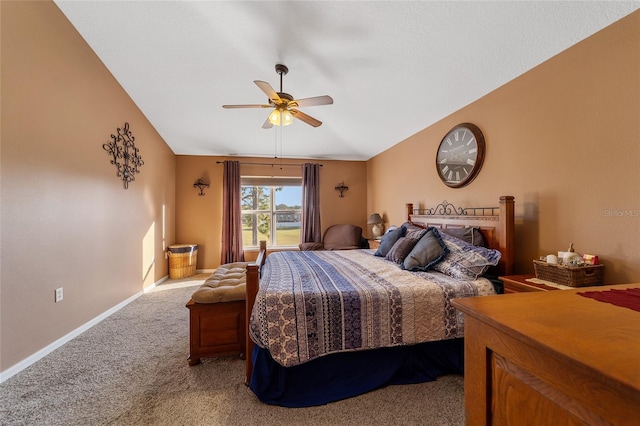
(281,117)
(285,106)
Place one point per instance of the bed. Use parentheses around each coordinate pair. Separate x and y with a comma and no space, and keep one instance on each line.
(327,325)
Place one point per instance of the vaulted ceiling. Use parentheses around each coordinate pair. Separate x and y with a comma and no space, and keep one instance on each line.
(392,68)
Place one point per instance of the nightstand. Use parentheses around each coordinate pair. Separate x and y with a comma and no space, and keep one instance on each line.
(519,284)
(373,243)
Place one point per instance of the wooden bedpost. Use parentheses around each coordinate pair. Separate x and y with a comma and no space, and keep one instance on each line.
(409,211)
(253,284)
(507,231)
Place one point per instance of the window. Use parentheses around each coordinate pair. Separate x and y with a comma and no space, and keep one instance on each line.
(271,210)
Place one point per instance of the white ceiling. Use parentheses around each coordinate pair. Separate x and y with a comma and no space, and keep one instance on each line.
(392,68)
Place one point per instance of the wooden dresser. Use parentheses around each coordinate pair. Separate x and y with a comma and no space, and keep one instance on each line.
(551,358)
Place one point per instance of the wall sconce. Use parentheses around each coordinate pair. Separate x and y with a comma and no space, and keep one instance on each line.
(341,187)
(201,185)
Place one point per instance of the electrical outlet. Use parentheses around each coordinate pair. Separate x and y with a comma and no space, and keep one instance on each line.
(58,294)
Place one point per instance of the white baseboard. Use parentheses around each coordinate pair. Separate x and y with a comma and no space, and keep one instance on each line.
(152,286)
(16,368)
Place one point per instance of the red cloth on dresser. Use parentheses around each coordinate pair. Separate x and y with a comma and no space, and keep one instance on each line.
(629,298)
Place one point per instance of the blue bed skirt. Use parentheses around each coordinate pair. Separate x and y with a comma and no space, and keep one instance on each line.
(339,376)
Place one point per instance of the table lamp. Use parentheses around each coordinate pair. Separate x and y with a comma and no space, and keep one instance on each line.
(378,225)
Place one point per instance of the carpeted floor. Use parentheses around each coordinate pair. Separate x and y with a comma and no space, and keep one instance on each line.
(131,369)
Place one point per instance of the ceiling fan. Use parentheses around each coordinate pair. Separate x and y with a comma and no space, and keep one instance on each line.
(285,107)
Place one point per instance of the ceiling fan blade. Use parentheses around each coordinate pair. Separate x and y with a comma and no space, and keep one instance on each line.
(267,124)
(247,106)
(317,100)
(268,90)
(306,118)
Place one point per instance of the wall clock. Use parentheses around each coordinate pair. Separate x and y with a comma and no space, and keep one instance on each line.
(460,155)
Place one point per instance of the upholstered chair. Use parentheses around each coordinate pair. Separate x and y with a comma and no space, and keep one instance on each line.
(337,237)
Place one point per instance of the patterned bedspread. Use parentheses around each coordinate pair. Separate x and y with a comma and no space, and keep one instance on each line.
(312,303)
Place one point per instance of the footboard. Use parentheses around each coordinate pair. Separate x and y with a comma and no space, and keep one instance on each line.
(253,284)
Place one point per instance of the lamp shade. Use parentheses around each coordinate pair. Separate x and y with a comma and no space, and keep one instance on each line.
(374,219)
(281,117)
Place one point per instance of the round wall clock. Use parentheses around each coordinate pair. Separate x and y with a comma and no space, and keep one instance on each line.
(460,155)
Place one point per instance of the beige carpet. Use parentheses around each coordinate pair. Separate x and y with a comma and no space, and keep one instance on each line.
(131,369)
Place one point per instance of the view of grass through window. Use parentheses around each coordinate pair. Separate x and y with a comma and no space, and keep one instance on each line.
(271,213)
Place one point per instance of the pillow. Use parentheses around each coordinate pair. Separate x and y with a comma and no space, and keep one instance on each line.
(466,261)
(401,249)
(310,246)
(470,235)
(415,233)
(412,227)
(428,251)
(388,240)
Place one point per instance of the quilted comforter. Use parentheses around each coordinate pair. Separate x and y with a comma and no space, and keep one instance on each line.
(313,303)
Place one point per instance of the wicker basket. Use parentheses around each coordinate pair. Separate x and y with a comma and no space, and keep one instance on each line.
(182,260)
(572,276)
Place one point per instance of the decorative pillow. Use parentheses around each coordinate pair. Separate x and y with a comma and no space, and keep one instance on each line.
(388,240)
(466,261)
(401,249)
(310,246)
(411,227)
(428,251)
(415,233)
(470,235)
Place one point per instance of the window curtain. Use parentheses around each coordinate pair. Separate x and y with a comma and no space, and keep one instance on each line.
(310,231)
(231,214)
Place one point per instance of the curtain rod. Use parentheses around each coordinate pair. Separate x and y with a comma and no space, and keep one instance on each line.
(267,164)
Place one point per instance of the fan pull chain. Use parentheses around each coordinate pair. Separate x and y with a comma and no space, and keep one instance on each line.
(278,132)
(281,147)
(275,143)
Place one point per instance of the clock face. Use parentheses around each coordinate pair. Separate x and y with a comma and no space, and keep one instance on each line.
(460,155)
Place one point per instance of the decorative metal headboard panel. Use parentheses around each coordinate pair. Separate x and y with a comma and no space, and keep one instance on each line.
(447,209)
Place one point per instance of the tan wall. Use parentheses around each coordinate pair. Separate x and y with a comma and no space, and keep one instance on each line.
(198,219)
(562,138)
(66,219)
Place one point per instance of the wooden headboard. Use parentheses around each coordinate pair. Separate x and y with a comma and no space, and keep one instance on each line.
(495,223)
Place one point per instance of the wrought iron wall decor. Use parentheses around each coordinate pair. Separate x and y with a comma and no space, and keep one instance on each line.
(126,157)
(201,184)
(341,187)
